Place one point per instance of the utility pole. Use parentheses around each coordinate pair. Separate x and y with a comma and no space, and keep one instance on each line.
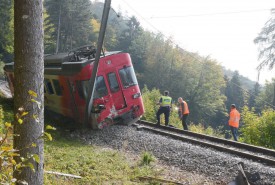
(92,81)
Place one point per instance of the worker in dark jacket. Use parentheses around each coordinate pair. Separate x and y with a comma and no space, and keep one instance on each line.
(183,112)
(165,103)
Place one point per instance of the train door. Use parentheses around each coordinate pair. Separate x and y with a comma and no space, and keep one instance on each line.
(116,91)
(53,95)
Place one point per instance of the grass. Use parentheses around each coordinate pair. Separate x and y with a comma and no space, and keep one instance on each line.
(147,158)
(94,164)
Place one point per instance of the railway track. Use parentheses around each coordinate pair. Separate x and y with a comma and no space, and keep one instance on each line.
(254,153)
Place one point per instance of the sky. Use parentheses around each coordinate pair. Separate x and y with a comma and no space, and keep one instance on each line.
(221,29)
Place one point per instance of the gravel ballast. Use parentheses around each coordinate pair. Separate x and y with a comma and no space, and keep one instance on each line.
(213,164)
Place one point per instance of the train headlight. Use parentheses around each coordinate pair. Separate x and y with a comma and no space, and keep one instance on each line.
(137,95)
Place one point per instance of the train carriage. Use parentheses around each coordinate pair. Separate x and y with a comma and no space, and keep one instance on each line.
(117,97)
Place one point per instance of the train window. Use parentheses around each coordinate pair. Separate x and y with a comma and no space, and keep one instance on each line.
(128,77)
(49,86)
(100,90)
(113,82)
(57,87)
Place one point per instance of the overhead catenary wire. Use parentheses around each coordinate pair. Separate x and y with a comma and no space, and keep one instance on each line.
(208,14)
(188,52)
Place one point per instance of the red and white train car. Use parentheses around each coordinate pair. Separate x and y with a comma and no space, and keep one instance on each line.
(117,97)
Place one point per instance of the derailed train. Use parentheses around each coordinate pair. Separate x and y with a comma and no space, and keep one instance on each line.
(117,97)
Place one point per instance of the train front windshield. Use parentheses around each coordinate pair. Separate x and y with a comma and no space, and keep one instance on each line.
(128,77)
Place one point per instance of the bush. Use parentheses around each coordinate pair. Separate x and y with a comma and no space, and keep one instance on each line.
(8,165)
(2,64)
(258,130)
(207,131)
(150,100)
(147,158)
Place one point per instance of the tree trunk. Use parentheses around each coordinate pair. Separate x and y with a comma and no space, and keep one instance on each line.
(29,75)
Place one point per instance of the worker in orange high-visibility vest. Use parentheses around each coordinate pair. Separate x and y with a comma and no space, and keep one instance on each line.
(233,122)
(183,112)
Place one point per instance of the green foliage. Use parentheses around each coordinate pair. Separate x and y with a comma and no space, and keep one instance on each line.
(75,24)
(174,118)
(10,159)
(150,99)
(6,112)
(253,95)
(234,92)
(266,43)
(49,40)
(7,153)
(2,64)
(246,82)
(199,128)
(147,158)
(258,130)
(206,97)
(161,65)
(128,35)
(266,98)
(6,30)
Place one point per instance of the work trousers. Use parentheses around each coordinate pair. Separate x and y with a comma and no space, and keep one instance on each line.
(183,121)
(234,132)
(166,112)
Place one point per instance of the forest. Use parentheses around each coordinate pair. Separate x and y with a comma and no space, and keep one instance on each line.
(160,64)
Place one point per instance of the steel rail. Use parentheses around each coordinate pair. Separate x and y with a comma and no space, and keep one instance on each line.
(181,135)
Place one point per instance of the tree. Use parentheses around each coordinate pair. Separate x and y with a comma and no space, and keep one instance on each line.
(75,26)
(162,65)
(205,95)
(49,41)
(6,31)
(132,31)
(258,130)
(150,98)
(266,43)
(253,95)
(266,98)
(139,50)
(29,75)
(234,91)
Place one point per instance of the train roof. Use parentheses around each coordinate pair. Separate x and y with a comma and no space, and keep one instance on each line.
(68,63)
